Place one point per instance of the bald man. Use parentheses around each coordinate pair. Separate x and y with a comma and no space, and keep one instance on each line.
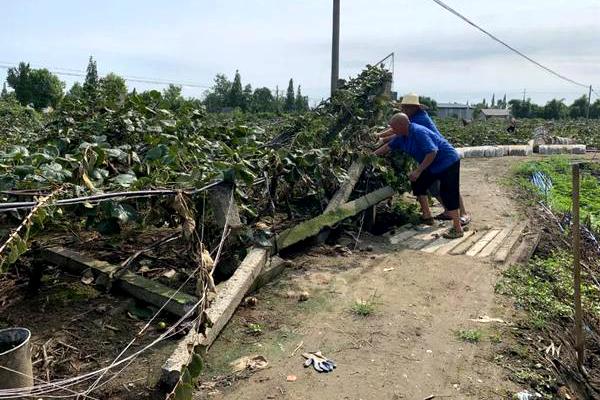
(437,159)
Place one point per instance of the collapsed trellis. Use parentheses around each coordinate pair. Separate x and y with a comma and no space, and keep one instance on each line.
(207,322)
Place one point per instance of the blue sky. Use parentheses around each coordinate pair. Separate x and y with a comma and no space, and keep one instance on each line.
(270,41)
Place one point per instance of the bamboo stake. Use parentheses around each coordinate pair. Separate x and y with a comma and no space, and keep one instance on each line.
(579,345)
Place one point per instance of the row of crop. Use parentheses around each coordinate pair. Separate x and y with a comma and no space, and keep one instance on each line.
(495,131)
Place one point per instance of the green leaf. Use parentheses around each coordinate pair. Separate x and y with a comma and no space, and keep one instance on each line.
(157,152)
(184,391)
(108,226)
(195,366)
(23,170)
(18,152)
(54,172)
(125,180)
(186,377)
(122,212)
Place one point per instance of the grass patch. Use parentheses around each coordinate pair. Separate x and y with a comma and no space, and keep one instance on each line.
(74,292)
(496,338)
(559,195)
(544,287)
(469,335)
(365,307)
(254,329)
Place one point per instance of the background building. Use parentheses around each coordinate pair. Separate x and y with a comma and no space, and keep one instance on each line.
(454,110)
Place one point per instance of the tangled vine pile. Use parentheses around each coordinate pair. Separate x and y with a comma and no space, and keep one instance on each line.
(290,163)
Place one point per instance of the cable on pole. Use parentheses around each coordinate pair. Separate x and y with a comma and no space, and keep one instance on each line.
(547,69)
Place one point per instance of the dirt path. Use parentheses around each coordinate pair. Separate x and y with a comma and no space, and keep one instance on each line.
(408,348)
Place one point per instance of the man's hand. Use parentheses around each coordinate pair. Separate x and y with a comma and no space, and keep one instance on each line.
(414,175)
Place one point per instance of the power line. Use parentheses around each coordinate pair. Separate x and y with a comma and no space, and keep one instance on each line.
(547,69)
(79,73)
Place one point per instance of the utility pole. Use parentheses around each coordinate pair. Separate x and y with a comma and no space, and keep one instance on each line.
(587,114)
(335,46)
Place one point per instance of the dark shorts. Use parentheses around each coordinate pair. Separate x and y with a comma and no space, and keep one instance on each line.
(449,185)
(434,189)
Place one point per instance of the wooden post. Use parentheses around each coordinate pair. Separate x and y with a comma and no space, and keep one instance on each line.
(579,345)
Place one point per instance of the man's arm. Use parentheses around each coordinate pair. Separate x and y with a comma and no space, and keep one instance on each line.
(386,133)
(427,161)
(383,150)
(414,175)
(385,139)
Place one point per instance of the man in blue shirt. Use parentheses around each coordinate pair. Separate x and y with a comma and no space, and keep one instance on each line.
(416,113)
(437,159)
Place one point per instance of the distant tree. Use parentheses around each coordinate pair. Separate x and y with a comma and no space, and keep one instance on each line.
(595,109)
(555,109)
(262,100)
(290,98)
(217,96)
(301,101)
(525,109)
(4,93)
(236,96)
(279,100)
(91,83)
(76,91)
(504,101)
(35,86)
(430,103)
(172,98)
(247,97)
(484,103)
(113,90)
(493,102)
(579,107)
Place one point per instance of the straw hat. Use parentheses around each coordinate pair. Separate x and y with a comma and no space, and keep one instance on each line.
(410,99)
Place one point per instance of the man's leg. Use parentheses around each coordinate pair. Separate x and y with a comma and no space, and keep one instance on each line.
(455,220)
(450,191)
(420,187)
(463,210)
(424,203)
(434,190)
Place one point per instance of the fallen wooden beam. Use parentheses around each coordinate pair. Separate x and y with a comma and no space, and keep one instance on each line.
(220,198)
(452,244)
(313,226)
(273,268)
(495,243)
(137,286)
(232,293)
(343,193)
(485,240)
(466,244)
(178,360)
(345,190)
(440,242)
(528,246)
(507,247)
(229,295)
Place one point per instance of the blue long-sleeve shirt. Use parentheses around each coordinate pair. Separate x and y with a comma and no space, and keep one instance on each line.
(421,141)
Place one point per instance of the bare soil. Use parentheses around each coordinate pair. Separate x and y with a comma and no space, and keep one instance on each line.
(408,347)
